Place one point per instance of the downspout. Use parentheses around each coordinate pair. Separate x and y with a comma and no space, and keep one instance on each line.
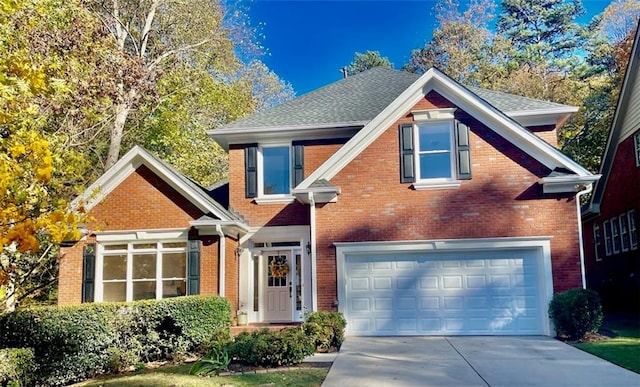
(314,277)
(582,268)
(222,261)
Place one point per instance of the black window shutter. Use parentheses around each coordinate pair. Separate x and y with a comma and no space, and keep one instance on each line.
(298,164)
(193,267)
(88,271)
(462,148)
(407,167)
(251,171)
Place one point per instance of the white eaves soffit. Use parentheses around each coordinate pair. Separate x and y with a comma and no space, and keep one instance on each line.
(434,80)
(127,165)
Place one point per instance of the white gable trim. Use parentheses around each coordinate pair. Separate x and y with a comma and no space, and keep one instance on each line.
(127,165)
(465,100)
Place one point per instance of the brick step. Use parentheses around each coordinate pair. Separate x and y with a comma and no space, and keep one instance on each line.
(236,330)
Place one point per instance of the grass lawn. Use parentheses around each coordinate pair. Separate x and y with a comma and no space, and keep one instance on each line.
(179,376)
(624,349)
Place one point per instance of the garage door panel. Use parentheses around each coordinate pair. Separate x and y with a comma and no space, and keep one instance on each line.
(442,294)
(382,283)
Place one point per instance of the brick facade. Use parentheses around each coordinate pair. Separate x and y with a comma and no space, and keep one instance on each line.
(617,276)
(503,199)
(143,201)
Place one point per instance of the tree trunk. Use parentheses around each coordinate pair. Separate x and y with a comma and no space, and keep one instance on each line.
(115,137)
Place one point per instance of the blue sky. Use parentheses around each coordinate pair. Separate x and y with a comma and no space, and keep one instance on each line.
(308,41)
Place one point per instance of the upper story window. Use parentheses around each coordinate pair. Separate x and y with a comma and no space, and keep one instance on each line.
(620,234)
(636,141)
(272,170)
(276,170)
(434,152)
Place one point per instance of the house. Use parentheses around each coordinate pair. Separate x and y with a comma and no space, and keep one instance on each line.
(611,217)
(411,204)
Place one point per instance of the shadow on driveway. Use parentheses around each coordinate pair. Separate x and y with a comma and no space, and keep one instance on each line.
(471,361)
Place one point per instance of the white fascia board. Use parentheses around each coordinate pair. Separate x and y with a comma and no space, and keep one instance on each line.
(465,100)
(371,131)
(558,184)
(226,137)
(127,165)
(498,122)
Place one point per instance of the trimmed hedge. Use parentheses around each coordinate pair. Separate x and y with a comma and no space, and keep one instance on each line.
(16,366)
(271,348)
(73,343)
(576,312)
(327,328)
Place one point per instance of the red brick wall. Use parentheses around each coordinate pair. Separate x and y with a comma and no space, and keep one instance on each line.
(616,277)
(502,200)
(141,201)
(272,214)
(231,274)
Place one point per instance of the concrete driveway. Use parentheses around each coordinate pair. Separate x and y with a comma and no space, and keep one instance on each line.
(471,361)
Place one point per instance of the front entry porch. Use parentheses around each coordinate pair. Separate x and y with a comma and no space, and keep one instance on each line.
(275,276)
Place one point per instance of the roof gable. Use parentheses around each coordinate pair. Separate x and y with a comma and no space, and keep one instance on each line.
(137,157)
(620,129)
(465,99)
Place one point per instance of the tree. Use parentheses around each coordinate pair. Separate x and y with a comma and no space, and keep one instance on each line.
(366,61)
(463,45)
(543,31)
(159,34)
(37,169)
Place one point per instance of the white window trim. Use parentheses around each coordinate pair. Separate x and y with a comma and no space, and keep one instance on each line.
(597,241)
(615,235)
(633,233)
(624,232)
(130,251)
(636,142)
(608,242)
(263,198)
(436,183)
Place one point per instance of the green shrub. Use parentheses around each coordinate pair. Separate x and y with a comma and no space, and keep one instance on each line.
(271,349)
(16,366)
(576,312)
(327,329)
(215,361)
(73,343)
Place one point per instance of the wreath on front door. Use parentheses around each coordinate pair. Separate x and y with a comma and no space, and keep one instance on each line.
(278,267)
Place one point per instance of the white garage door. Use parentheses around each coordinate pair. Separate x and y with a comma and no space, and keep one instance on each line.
(475,293)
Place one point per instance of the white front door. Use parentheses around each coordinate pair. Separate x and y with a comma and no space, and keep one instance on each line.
(278,287)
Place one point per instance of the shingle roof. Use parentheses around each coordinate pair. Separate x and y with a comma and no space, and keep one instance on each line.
(360,98)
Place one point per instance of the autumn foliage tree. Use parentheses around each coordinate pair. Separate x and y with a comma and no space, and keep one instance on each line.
(42,69)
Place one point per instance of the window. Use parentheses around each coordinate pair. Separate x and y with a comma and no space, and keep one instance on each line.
(272,170)
(607,237)
(615,235)
(137,271)
(276,170)
(633,233)
(624,233)
(636,140)
(434,150)
(597,241)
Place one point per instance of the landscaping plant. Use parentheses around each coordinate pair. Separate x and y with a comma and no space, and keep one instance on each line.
(576,312)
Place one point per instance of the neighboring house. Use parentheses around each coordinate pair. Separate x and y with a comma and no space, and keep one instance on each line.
(411,204)
(612,216)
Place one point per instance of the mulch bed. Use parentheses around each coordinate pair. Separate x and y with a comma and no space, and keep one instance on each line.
(239,368)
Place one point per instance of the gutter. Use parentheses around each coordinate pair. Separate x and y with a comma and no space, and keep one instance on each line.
(314,265)
(221,260)
(588,190)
